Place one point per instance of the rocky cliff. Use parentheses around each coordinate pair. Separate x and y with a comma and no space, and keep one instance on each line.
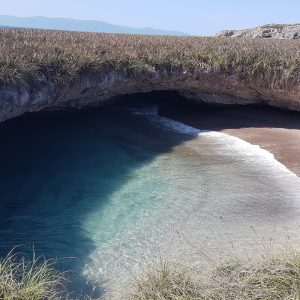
(213,88)
(276,31)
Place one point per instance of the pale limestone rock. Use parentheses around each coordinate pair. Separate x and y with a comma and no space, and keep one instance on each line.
(276,31)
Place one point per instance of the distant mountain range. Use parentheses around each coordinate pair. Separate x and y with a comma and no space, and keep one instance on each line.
(78,25)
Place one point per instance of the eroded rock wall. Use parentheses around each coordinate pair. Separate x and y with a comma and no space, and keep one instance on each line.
(215,88)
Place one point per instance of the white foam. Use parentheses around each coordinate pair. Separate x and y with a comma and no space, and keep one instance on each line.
(242,149)
(249,150)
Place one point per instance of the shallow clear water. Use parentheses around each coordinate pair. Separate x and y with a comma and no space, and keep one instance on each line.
(109,189)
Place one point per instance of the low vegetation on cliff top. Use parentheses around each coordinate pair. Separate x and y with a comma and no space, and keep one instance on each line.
(38,56)
(273,277)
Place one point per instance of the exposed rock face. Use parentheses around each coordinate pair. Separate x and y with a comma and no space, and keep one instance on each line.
(276,31)
(215,88)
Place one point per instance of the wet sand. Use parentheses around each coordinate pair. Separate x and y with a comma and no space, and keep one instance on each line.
(274,130)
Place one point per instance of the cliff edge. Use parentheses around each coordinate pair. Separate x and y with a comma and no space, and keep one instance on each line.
(42,69)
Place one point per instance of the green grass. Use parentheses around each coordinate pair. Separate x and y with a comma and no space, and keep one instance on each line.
(33,57)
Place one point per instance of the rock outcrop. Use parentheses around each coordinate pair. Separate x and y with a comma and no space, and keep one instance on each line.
(276,31)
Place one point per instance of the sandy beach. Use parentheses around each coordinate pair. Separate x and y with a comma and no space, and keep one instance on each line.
(273,130)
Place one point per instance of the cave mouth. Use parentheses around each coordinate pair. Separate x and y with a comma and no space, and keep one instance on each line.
(210,116)
(166,100)
(166,97)
(174,105)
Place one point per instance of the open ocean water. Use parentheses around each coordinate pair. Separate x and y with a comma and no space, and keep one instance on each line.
(110,190)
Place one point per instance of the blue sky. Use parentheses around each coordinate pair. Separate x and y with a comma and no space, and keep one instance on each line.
(198,17)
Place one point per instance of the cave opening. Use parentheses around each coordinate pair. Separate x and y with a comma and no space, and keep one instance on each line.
(172,104)
(210,116)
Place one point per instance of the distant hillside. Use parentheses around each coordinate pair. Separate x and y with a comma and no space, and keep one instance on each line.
(78,25)
(277,31)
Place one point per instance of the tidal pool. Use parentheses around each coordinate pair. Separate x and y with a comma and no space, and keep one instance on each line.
(109,190)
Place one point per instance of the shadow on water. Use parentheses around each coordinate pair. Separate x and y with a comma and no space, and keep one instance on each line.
(58,167)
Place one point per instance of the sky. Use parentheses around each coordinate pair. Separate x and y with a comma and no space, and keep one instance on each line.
(195,17)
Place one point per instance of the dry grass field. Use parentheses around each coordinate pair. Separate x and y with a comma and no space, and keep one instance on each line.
(35,56)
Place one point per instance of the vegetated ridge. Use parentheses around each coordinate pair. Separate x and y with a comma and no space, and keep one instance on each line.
(278,31)
(53,69)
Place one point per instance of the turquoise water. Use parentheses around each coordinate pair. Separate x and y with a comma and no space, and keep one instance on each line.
(109,189)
